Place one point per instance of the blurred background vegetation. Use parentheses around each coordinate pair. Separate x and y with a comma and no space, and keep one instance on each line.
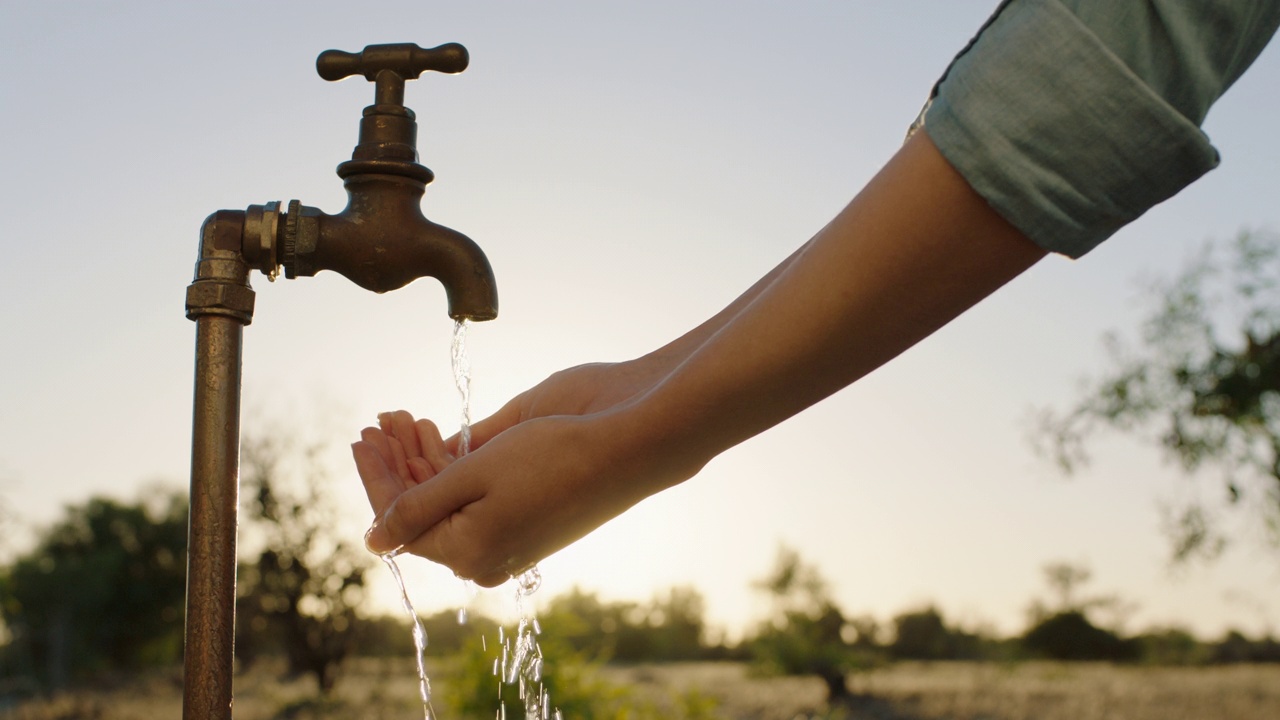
(100,598)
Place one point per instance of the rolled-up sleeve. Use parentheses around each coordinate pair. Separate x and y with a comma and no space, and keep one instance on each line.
(1056,126)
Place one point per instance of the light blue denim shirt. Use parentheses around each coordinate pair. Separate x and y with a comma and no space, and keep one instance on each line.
(1074,117)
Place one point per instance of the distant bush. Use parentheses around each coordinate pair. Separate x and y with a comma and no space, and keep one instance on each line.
(807,633)
(669,627)
(1236,648)
(1070,636)
(924,635)
(1171,646)
(572,683)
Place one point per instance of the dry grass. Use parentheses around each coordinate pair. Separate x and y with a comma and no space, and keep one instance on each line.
(988,691)
(935,691)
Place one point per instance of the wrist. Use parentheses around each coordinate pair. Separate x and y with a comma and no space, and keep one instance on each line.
(665,438)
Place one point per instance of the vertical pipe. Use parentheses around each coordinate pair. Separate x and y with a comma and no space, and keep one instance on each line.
(211,548)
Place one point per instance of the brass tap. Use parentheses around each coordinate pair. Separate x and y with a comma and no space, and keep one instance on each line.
(381,240)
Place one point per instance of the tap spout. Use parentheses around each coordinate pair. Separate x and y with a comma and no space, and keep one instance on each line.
(381,241)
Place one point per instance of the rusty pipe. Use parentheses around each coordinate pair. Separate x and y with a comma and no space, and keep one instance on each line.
(221,303)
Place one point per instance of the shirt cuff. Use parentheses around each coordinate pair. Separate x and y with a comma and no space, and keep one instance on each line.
(1057,134)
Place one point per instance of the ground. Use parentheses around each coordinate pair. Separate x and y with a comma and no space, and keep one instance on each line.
(911,691)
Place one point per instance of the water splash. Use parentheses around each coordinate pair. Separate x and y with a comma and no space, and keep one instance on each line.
(520,662)
(419,634)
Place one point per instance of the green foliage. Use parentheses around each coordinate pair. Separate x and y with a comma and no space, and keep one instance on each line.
(807,633)
(300,594)
(924,635)
(1204,386)
(1171,646)
(674,626)
(572,681)
(1070,636)
(102,590)
(669,627)
(1236,648)
(1061,630)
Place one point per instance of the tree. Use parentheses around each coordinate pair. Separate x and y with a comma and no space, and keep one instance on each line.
(669,627)
(807,633)
(676,624)
(1204,385)
(924,635)
(1070,636)
(304,585)
(102,590)
(1063,631)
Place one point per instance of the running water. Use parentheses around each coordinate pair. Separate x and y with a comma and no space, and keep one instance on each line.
(521,656)
(419,634)
(462,380)
(521,661)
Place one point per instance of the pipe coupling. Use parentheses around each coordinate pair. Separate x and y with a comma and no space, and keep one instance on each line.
(215,297)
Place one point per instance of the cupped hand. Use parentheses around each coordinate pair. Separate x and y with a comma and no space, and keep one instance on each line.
(523,495)
(399,454)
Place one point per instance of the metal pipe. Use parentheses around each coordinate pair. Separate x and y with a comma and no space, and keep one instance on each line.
(221,303)
(211,558)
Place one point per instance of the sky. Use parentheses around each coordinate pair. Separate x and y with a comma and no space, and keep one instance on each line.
(628,168)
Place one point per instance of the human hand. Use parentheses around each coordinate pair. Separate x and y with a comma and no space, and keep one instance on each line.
(523,495)
(399,454)
(576,391)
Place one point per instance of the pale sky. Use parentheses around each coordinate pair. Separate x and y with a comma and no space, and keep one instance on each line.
(629,168)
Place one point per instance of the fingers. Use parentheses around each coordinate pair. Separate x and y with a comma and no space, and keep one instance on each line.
(381,487)
(421,470)
(417,439)
(399,425)
(391,452)
(419,509)
(431,445)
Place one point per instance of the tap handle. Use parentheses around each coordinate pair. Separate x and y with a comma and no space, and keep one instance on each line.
(404,59)
(388,66)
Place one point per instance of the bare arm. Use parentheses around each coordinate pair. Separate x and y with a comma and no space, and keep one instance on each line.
(596,387)
(916,248)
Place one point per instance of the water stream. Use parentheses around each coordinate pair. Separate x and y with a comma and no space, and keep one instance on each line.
(462,380)
(520,660)
(419,634)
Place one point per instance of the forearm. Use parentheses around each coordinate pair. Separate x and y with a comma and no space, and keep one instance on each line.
(913,250)
(676,351)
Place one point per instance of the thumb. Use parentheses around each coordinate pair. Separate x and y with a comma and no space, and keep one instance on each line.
(419,509)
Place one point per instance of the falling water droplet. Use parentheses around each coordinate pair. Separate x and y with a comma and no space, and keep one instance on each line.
(528,582)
